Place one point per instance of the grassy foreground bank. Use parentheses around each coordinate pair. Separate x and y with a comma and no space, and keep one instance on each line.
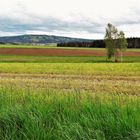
(56,115)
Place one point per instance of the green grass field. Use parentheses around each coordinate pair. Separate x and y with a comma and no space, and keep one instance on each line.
(62,59)
(46,46)
(27,46)
(69,98)
(72,68)
(55,46)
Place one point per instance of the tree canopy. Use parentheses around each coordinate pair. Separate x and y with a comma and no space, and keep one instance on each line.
(115,42)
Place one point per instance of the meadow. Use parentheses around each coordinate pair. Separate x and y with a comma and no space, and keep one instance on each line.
(54,46)
(69,98)
(62,59)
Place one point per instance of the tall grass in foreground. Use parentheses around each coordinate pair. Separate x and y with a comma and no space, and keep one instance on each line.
(50,115)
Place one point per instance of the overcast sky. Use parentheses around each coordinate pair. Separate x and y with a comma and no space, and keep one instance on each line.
(73,18)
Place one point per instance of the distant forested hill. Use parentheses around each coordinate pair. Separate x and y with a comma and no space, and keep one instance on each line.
(62,41)
(42,39)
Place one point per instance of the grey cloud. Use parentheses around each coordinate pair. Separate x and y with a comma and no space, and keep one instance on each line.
(32,22)
(127,21)
(48,24)
(131,18)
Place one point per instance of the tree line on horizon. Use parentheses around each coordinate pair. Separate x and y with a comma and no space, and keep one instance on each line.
(133,42)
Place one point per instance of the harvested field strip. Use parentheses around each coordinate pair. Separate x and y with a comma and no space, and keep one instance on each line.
(58,52)
(70,76)
(103,84)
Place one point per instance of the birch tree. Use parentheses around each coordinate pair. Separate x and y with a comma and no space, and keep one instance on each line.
(115,42)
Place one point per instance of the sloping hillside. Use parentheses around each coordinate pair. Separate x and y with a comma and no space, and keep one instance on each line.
(39,39)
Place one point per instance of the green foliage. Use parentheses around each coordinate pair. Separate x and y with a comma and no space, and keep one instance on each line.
(122,42)
(115,42)
(110,37)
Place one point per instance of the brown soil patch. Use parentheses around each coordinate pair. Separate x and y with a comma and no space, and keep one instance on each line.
(58,52)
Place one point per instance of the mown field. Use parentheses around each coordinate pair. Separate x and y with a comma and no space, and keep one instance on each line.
(69,101)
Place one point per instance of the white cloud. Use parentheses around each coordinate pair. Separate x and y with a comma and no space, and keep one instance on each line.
(85,18)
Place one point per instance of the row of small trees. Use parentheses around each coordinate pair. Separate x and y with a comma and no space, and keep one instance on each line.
(116,42)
